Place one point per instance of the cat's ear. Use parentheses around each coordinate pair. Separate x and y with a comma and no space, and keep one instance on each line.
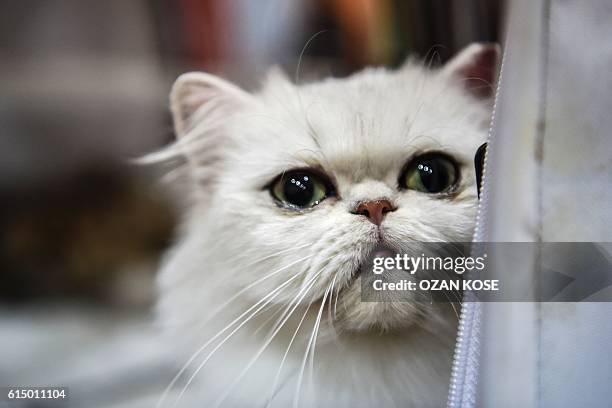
(199,96)
(476,67)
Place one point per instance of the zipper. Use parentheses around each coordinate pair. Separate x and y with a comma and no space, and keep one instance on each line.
(466,360)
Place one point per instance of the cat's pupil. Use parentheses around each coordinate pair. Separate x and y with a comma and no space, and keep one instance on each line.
(434,175)
(299,189)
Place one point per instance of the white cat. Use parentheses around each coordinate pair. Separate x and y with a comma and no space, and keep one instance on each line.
(294,186)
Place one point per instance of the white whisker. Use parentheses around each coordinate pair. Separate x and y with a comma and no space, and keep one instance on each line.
(282,363)
(286,317)
(336,302)
(203,347)
(276,313)
(330,317)
(218,346)
(258,281)
(296,399)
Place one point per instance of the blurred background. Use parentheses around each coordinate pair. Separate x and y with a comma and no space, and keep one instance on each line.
(83,89)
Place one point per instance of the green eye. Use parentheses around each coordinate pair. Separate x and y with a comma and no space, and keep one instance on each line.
(301,189)
(430,173)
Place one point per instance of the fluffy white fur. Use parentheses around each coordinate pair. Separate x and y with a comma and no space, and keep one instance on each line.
(238,246)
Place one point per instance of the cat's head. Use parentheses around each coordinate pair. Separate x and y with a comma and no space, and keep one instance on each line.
(296,185)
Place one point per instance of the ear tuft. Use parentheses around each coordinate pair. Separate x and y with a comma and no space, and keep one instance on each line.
(205,96)
(476,66)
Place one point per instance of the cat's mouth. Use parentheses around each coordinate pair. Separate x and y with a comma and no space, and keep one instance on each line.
(355,313)
(368,265)
(364,271)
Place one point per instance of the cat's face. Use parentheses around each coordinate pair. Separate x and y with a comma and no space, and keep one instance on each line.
(299,185)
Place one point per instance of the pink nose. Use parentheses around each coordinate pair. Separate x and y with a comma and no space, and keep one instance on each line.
(374,210)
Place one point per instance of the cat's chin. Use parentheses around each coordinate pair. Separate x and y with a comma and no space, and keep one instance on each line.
(353,314)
